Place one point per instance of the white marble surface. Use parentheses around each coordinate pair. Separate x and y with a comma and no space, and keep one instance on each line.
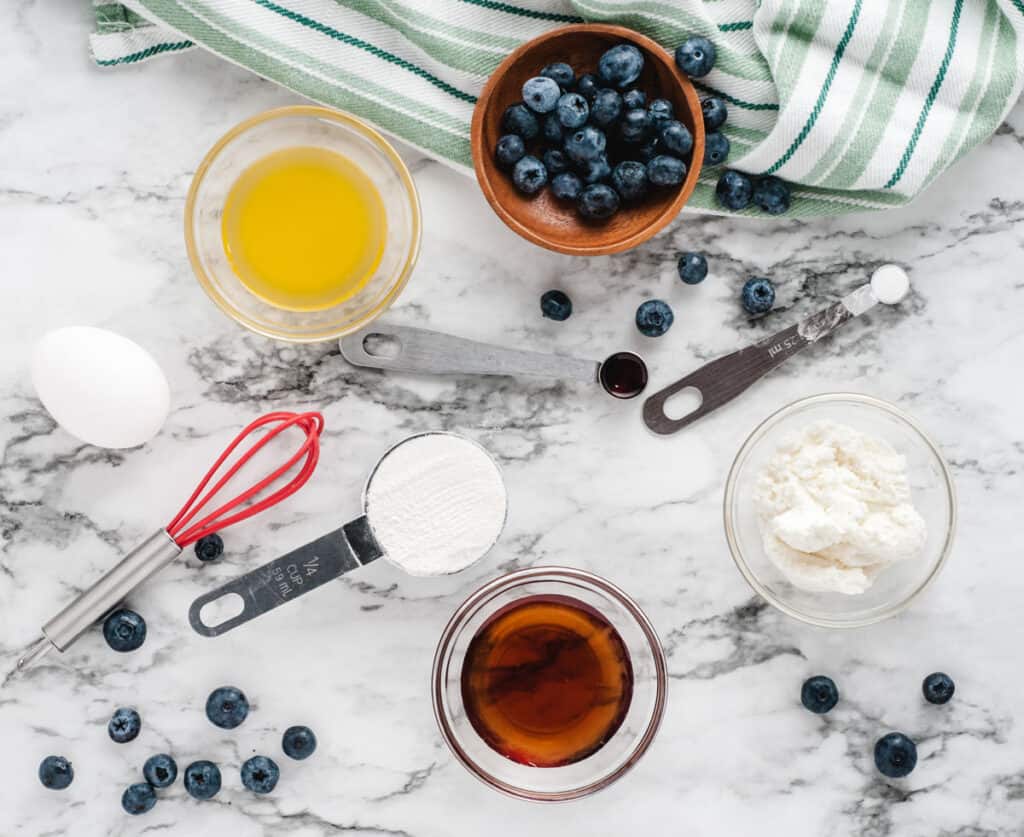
(93,171)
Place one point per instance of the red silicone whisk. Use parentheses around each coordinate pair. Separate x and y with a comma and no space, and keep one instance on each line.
(190,524)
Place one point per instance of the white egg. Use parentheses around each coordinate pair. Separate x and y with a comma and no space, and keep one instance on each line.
(100,387)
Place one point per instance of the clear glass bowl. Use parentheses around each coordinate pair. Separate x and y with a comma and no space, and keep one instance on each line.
(619,753)
(272,131)
(931,487)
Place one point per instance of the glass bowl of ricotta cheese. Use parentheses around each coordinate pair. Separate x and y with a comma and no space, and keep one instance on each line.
(840,510)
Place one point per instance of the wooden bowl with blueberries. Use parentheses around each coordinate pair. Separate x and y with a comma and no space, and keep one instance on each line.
(588,139)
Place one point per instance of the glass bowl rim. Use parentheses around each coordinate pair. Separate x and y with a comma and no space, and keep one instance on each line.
(515,579)
(346,121)
(758,433)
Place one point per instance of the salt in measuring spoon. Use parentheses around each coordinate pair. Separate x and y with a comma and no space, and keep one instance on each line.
(434,504)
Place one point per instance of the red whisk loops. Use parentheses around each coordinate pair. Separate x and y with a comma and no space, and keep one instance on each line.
(182,528)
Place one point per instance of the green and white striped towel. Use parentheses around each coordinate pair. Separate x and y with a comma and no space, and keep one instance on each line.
(861,103)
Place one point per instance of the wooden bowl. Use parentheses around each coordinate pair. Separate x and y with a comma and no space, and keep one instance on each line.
(542,218)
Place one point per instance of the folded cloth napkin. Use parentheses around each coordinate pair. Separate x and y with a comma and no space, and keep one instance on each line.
(859,103)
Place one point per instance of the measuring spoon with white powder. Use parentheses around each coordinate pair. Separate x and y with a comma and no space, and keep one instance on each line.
(434,504)
(721,380)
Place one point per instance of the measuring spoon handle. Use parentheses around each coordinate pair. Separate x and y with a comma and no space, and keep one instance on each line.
(408,349)
(286,578)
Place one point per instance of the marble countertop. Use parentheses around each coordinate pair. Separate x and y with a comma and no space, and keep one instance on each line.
(93,173)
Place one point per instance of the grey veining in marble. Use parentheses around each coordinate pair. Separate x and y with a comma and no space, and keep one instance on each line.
(93,172)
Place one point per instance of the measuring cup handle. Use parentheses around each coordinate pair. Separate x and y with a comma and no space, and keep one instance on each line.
(290,576)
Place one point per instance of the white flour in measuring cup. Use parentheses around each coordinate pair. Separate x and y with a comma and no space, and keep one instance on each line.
(436,503)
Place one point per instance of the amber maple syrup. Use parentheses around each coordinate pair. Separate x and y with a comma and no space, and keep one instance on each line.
(547,681)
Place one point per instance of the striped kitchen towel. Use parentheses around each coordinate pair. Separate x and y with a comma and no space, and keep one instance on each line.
(859,103)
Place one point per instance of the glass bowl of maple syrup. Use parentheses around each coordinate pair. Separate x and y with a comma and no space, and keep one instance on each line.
(549,683)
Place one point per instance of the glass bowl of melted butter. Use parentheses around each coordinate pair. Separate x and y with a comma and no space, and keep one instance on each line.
(302,224)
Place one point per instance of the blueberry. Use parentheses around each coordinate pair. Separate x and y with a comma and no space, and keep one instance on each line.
(716,148)
(519,119)
(692,268)
(594,171)
(598,201)
(138,798)
(588,85)
(588,143)
(55,772)
(771,195)
(298,742)
(938,687)
(714,111)
(895,755)
(561,73)
(509,151)
(566,186)
(630,180)
(124,630)
(634,99)
(758,295)
(202,779)
(695,57)
(654,318)
(555,161)
(621,65)
(819,694)
(606,107)
(636,125)
(227,707)
(209,548)
(260,774)
(124,725)
(661,111)
(551,129)
(529,175)
(734,190)
(648,151)
(572,110)
(666,171)
(541,94)
(555,305)
(160,770)
(676,138)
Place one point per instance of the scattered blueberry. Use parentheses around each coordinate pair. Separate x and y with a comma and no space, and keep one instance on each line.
(529,175)
(715,113)
(588,143)
(771,195)
(300,742)
(160,770)
(572,110)
(561,73)
(555,161)
(734,190)
(938,687)
(260,774)
(661,111)
(634,99)
(630,180)
(566,186)
(598,201)
(666,171)
(758,295)
(588,85)
(594,171)
(551,129)
(695,57)
(55,772)
(124,725)
(124,630)
(555,305)
(716,148)
(819,694)
(138,798)
(227,707)
(509,150)
(636,125)
(692,267)
(209,547)
(654,318)
(541,94)
(676,138)
(606,107)
(621,65)
(202,779)
(519,119)
(895,755)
